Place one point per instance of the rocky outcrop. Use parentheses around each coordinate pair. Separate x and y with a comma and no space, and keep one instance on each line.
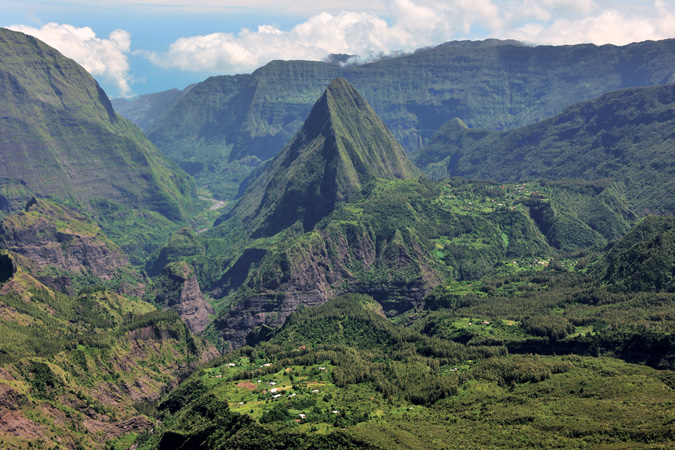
(7,267)
(51,235)
(341,258)
(177,288)
(113,430)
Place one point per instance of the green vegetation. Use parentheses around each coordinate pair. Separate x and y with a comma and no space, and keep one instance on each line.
(65,250)
(341,370)
(360,304)
(72,367)
(42,322)
(139,232)
(643,259)
(183,244)
(62,139)
(623,135)
(341,147)
(400,238)
(224,126)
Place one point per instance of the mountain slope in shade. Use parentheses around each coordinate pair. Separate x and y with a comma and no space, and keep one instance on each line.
(341,147)
(61,138)
(644,259)
(626,135)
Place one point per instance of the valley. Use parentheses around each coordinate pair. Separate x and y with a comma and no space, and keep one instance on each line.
(394,254)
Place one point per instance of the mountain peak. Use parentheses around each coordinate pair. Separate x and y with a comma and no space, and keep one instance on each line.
(341,89)
(342,145)
(339,83)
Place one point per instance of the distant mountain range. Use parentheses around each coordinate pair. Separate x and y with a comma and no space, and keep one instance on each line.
(145,110)
(227,124)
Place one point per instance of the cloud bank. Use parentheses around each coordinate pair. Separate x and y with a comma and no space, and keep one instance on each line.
(106,58)
(379,28)
(412,24)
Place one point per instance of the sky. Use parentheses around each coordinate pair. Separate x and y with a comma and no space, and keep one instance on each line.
(134,47)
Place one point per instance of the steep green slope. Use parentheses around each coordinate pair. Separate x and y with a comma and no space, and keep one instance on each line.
(490,84)
(81,370)
(403,237)
(62,139)
(191,133)
(644,259)
(625,135)
(342,146)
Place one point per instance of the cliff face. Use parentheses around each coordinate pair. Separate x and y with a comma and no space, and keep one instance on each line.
(177,288)
(343,257)
(51,235)
(61,138)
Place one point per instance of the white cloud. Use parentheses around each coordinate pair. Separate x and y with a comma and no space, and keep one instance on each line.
(561,22)
(100,57)
(415,24)
(365,28)
(412,24)
(609,27)
(320,35)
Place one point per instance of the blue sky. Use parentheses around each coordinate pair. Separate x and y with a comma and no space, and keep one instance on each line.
(134,47)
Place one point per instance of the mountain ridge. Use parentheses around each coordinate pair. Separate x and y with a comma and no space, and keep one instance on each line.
(625,135)
(234,122)
(341,147)
(61,138)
